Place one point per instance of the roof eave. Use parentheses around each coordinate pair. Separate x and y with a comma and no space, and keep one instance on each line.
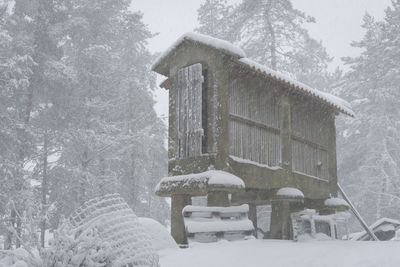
(161,64)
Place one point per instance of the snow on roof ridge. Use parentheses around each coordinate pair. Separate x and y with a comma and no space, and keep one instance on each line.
(203,39)
(339,103)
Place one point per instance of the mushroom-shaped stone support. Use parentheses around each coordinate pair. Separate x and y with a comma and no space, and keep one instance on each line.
(289,193)
(214,183)
(333,205)
(199,184)
(286,201)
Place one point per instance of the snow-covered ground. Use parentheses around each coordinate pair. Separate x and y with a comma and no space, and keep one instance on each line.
(277,253)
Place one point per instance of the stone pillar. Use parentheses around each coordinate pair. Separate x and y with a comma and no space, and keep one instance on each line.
(253,217)
(178,202)
(218,199)
(280,220)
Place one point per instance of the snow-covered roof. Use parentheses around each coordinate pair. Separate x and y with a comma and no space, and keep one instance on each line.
(199,183)
(375,226)
(290,192)
(325,98)
(216,43)
(240,58)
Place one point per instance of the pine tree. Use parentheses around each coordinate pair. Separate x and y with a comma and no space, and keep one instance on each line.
(109,119)
(270,32)
(29,88)
(17,69)
(370,161)
(76,112)
(214,18)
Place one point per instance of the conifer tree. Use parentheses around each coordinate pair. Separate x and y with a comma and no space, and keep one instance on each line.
(272,33)
(76,112)
(109,119)
(370,156)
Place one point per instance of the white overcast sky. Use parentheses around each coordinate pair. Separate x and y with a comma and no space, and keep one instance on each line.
(337,25)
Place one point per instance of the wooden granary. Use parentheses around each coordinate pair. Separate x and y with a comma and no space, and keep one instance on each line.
(258,128)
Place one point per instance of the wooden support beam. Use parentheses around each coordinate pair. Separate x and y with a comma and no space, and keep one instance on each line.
(357,214)
(286,145)
(332,161)
(254,123)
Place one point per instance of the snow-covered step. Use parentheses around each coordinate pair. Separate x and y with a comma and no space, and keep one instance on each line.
(210,224)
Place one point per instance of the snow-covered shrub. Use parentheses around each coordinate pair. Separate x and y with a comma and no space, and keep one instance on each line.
(87,249)
(159,234)
(19,258)
(102,232)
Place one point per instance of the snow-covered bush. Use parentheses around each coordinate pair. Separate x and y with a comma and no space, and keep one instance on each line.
(19,258)
(87,249)
(159,235)
(102,232)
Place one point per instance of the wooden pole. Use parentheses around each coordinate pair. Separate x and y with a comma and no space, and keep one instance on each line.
(357,214)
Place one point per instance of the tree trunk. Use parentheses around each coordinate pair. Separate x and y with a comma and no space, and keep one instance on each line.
(19,231)
(24,107)
(103,181)
(83,182)
(8,241)
(133,179)
(272,34)
(379,202)
(44,189)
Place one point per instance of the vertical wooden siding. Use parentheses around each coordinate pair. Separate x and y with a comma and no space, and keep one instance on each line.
(254,124)
(309,140)
(188,111)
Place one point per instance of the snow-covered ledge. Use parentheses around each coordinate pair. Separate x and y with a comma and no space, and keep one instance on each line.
(199,183)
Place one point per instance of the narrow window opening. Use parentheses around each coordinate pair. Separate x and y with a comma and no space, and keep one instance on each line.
(204,112)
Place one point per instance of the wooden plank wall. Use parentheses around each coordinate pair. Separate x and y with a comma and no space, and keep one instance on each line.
(254,130)
(254,124)
(188,104)
(310,140)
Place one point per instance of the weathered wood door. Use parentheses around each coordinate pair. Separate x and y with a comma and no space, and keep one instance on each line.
(188,105)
